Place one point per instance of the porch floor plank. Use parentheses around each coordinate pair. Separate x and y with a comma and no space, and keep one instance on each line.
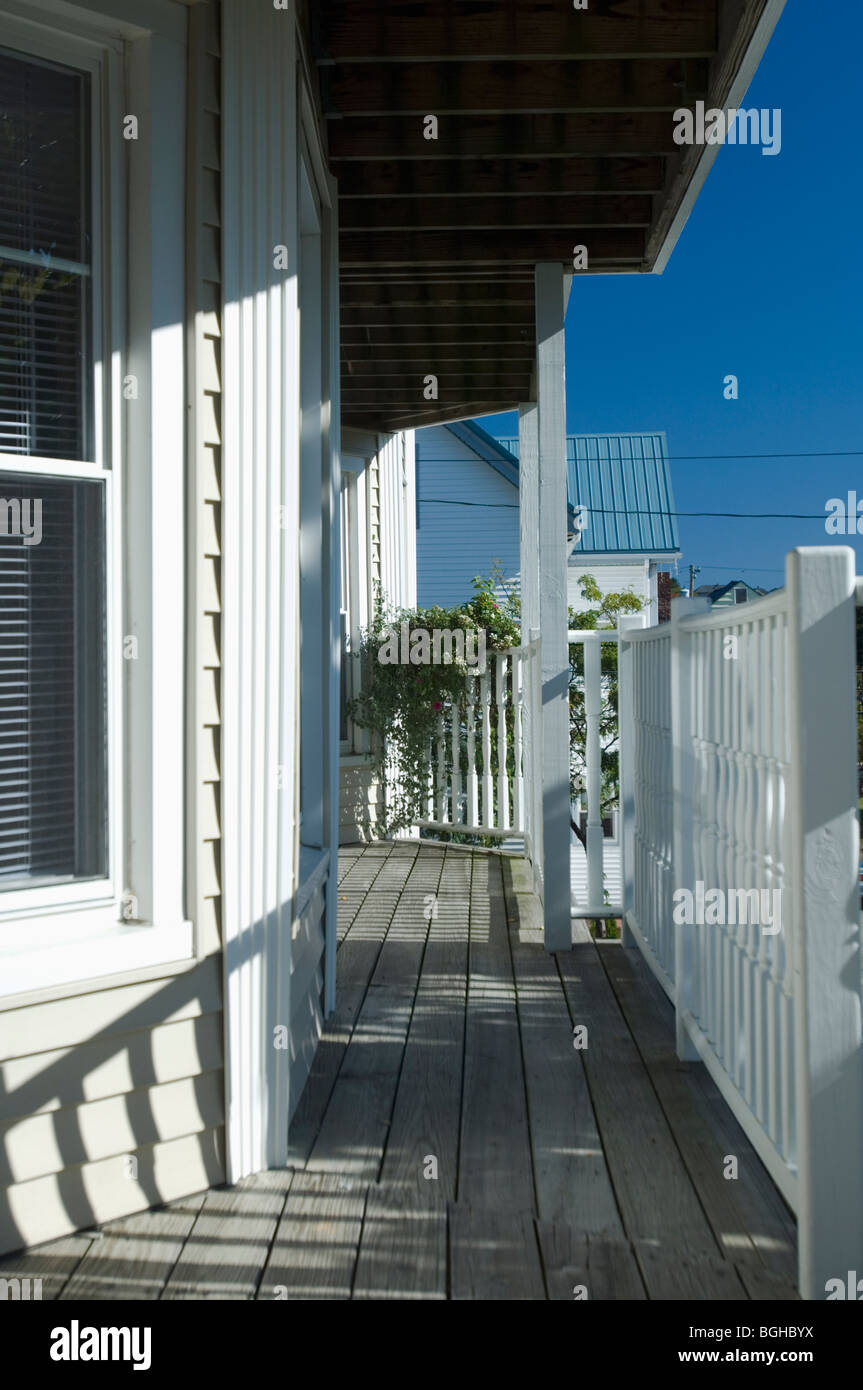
(356,1121)
(427,1113)
(54,1264)
(228,1245)
(403,1248)
(572,1178)
(314,1253)
(135,1260)
(494,1254)
(452,1040)
(496,1168)
(747,1227)
(587,1266)
(656,1196)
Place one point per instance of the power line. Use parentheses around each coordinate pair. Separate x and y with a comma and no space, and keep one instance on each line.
(700,458)
(615,511)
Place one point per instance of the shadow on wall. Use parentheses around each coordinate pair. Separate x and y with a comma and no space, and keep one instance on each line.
(48,1155)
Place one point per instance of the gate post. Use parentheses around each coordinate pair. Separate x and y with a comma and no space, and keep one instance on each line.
(825,912)
(681,782)
(627,622)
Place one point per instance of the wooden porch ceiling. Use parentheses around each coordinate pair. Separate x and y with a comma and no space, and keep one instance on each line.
(554,129)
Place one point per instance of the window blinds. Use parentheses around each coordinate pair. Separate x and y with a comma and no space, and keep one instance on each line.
(45,259)
(52,680)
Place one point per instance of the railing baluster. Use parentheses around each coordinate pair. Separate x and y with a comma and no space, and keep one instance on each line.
(441,771)
(455,772)
(502,749)
(472,785)
(487,783)
(518,776)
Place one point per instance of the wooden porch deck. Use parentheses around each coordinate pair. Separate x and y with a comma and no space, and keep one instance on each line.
(452,1143)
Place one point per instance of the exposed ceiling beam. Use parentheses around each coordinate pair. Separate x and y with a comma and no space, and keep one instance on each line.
(428,248)
(511,136)
(358,356)
(487,176)
(444,30)
(548,210)
(498,88)
(407,294)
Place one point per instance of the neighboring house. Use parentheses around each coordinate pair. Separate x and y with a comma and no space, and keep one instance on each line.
(726,595)
(468,520)
(620,485)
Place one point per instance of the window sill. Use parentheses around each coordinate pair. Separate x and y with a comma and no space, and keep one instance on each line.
(89,952)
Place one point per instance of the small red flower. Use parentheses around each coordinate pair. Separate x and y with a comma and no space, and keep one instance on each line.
(437,704)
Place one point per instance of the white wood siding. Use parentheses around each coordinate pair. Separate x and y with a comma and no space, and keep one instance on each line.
(454,543)
(388,487)
(113,1098)
(112,1102)
(611,865)
(611,578)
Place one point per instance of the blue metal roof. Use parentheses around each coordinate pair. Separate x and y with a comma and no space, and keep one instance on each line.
(624,483)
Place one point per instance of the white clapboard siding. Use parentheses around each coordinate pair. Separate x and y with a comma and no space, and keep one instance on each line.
(454,543)
(388,484)
(102,1068)
(135,1072)
(119,1125)
(85,1193)
(612,870)
(615,578)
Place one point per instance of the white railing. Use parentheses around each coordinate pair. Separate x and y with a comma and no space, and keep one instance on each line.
(647,794)
(592,640)
(482,774)
(739,781)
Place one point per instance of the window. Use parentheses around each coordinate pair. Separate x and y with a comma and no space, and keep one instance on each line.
(740,596)
(93,426)
(354,603)
(53,512)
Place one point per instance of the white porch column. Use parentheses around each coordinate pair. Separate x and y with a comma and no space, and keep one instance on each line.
(551,433)
(825,911)
(528,502)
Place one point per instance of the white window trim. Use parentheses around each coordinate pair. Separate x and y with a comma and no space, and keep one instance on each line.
(44,946)
(353,469)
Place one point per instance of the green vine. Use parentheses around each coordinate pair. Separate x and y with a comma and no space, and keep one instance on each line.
(401,704)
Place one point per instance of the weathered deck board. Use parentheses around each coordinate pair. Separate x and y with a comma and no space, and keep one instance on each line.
(495,1168)
(228,1245)
(427,1113)
(355,1124)
(494,1254)
(403,1248)
(574,1262)
(682,1274)
(656,1197)
(730,1204)
(356,961)
(135,1260)
(54,1264)
(314,1253)
(572,1181)
(453,1040)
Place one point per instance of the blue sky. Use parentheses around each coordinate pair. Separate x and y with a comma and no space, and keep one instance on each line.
(766,282)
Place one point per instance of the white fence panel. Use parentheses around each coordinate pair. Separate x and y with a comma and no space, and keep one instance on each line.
(647,788)
(739,758)
(482,773)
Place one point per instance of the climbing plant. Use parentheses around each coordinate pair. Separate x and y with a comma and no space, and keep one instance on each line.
(400,702)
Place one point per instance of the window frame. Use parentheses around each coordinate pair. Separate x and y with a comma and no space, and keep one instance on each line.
(354,550)
(132,923)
